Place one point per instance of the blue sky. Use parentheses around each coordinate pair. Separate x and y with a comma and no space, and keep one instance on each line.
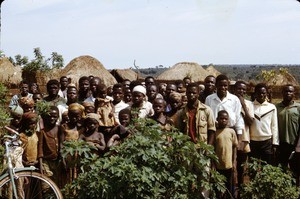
(155,32)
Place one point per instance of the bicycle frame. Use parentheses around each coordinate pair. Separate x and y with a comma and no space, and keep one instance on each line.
(10,171)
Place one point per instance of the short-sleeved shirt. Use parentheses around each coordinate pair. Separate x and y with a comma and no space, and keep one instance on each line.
(30,146)
(225,140)
(288,122)
(204,121)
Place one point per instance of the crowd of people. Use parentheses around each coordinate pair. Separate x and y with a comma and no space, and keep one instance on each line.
(237,127)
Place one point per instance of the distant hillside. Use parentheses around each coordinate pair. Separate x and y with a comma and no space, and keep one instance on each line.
(234,72)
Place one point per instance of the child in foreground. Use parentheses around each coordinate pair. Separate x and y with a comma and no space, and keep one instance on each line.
(91,134)
(225,148)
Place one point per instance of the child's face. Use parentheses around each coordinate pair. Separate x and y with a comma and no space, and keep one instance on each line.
(32,124)
(75,116)
(89,109)
(222,120)
(118,94)
(152,92)
(127,96)
(102,93)
(124,119)
(16,120)
(52,117)
(180,88)
(175,103)
(27,108)
(65,118)
(91,124)
(159,106)
(37,97)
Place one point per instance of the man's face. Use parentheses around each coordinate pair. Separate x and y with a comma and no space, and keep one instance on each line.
(24,89)
(72,94)
(94,83)
(64,82)
(127,96)
(53,90)
(126,84)
(84,86)
(210,84)
(192,94)
(170,89)
(222,87)
(118,94)
(288,93)
(261,95)
(240,89)
(149,81)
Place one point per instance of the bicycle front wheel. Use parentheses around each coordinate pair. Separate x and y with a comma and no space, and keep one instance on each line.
(30,185)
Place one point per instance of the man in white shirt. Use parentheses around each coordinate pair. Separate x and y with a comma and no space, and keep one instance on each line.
(223,100)
(264,129)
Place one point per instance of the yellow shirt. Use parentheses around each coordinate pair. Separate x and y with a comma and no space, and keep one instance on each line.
(226,140)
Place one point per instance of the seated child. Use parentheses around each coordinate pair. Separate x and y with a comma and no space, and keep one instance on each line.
(91,134)
(225,148)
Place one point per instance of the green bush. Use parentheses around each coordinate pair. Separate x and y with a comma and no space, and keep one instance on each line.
(267,181)
(149,165)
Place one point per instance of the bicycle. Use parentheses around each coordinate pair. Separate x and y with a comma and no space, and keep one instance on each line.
(27,182)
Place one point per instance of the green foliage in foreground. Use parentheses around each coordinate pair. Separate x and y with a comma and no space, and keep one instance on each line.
(149,165)
(267,181)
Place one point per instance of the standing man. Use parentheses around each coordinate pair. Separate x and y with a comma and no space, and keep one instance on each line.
(288,113)
(196,119)
(264,129)
(223,100)
(247,112)
(63,86)
(209,87)
(24,92)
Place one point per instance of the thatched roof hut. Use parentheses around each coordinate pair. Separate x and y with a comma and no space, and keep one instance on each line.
(184,69)
(212,71)
(86,66)
(282,79)
(10,74)
(122,74)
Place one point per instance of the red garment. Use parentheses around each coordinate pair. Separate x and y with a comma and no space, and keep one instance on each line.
(192,126)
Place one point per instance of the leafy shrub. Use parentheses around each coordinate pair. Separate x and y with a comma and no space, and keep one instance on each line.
(149,165)
(267,181)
